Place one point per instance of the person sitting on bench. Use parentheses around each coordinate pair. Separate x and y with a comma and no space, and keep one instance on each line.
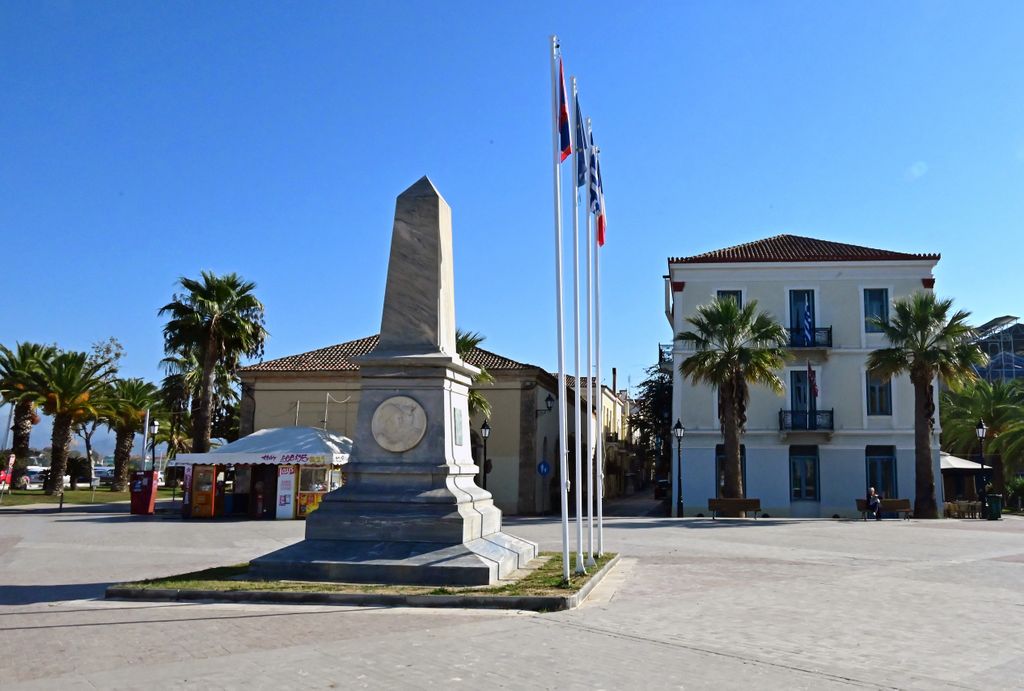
(874,503)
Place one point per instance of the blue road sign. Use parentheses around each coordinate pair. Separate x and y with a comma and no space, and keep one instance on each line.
(543,468)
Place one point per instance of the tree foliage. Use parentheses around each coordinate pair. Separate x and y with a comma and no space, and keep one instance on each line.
(927,340)
(17,368)
(125,414)
(110,351)
(466,341)
(734,347)
(1001,405)
(651,418)
(214,322)
(69,386)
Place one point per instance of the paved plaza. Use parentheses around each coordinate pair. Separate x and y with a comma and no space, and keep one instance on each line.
(694,603)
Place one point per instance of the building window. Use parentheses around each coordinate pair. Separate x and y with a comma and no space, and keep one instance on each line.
(876,306)
(720,468)
(736,295)
(801,318)
(803,473)
(879,395)
(881,470)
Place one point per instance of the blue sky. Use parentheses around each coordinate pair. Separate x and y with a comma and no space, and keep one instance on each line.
(140,142)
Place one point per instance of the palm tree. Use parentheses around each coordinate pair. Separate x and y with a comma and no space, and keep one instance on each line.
(219,320)
(466,341)
(736,346)
(16,368)
(926,342)
(1001,405)
(125,415)
(67,385)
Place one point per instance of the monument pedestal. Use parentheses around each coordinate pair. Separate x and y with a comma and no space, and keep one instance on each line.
(410,511)
(478,562)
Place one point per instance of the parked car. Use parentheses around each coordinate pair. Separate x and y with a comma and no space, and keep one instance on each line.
(35,479)
(661,489)
(105,474)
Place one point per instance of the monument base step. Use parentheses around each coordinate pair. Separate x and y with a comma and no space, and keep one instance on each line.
(482,561)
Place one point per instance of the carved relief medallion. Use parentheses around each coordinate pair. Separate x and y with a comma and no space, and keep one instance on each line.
(399,424)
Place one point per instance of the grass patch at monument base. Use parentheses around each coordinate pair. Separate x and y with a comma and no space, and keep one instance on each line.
(539,587)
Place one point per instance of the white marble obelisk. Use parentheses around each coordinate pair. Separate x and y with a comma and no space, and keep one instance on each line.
(410,511)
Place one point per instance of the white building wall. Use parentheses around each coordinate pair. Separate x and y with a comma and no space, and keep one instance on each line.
(841,379)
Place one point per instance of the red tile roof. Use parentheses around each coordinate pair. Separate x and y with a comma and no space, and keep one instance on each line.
(795,248)
(339,358)
(570,381)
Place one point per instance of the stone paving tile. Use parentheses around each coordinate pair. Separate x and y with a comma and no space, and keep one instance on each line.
(694,604)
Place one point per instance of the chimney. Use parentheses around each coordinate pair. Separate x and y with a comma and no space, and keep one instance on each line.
(615,380)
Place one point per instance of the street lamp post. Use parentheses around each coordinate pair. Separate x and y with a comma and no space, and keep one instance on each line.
(154,427)
(981,430)
(677,483)
(485,431)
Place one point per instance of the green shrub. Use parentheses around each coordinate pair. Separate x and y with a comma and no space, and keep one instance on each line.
(1015,489)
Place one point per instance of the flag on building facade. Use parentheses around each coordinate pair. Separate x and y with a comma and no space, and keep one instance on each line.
(564,134)
(812,383)
(808,324)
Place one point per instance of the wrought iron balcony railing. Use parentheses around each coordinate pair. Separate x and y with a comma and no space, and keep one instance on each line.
(818,337)
(805,420)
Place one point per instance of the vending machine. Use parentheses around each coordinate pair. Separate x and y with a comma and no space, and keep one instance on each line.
(204,491)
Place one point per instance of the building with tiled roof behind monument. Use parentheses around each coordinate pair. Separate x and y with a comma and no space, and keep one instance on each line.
(803,456)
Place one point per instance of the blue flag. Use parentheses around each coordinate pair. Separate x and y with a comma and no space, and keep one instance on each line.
(582,148)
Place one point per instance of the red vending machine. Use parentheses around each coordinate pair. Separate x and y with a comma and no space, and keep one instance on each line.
(144,492)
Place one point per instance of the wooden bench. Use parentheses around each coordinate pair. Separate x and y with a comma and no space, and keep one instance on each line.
(897,506)
(733,506)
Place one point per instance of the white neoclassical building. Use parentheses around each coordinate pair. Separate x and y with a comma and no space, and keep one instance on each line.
(836,430)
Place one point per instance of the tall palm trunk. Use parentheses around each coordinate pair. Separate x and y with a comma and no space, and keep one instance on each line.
(733,488)
(24,412)
(203,422)
(61,443)
(124,440)
(924,477)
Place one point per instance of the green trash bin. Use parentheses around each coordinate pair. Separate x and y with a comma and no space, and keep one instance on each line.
(995,507)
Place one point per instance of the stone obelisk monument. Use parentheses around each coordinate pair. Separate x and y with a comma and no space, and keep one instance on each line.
(410,511)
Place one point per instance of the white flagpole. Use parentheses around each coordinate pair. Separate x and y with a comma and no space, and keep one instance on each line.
(600,398)
(563,462)
(576,347)
(590,376)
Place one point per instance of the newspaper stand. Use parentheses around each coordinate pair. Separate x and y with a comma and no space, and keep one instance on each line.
(144,492)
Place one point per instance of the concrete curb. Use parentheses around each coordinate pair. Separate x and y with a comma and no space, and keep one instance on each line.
(533,603)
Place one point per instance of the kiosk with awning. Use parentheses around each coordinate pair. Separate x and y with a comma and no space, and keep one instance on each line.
(958,477)
(273,473)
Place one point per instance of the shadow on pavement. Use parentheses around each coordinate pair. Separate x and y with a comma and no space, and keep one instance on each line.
(702,523)
(35,594)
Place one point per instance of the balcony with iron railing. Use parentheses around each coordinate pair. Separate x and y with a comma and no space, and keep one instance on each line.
(817,337)
(806,421)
